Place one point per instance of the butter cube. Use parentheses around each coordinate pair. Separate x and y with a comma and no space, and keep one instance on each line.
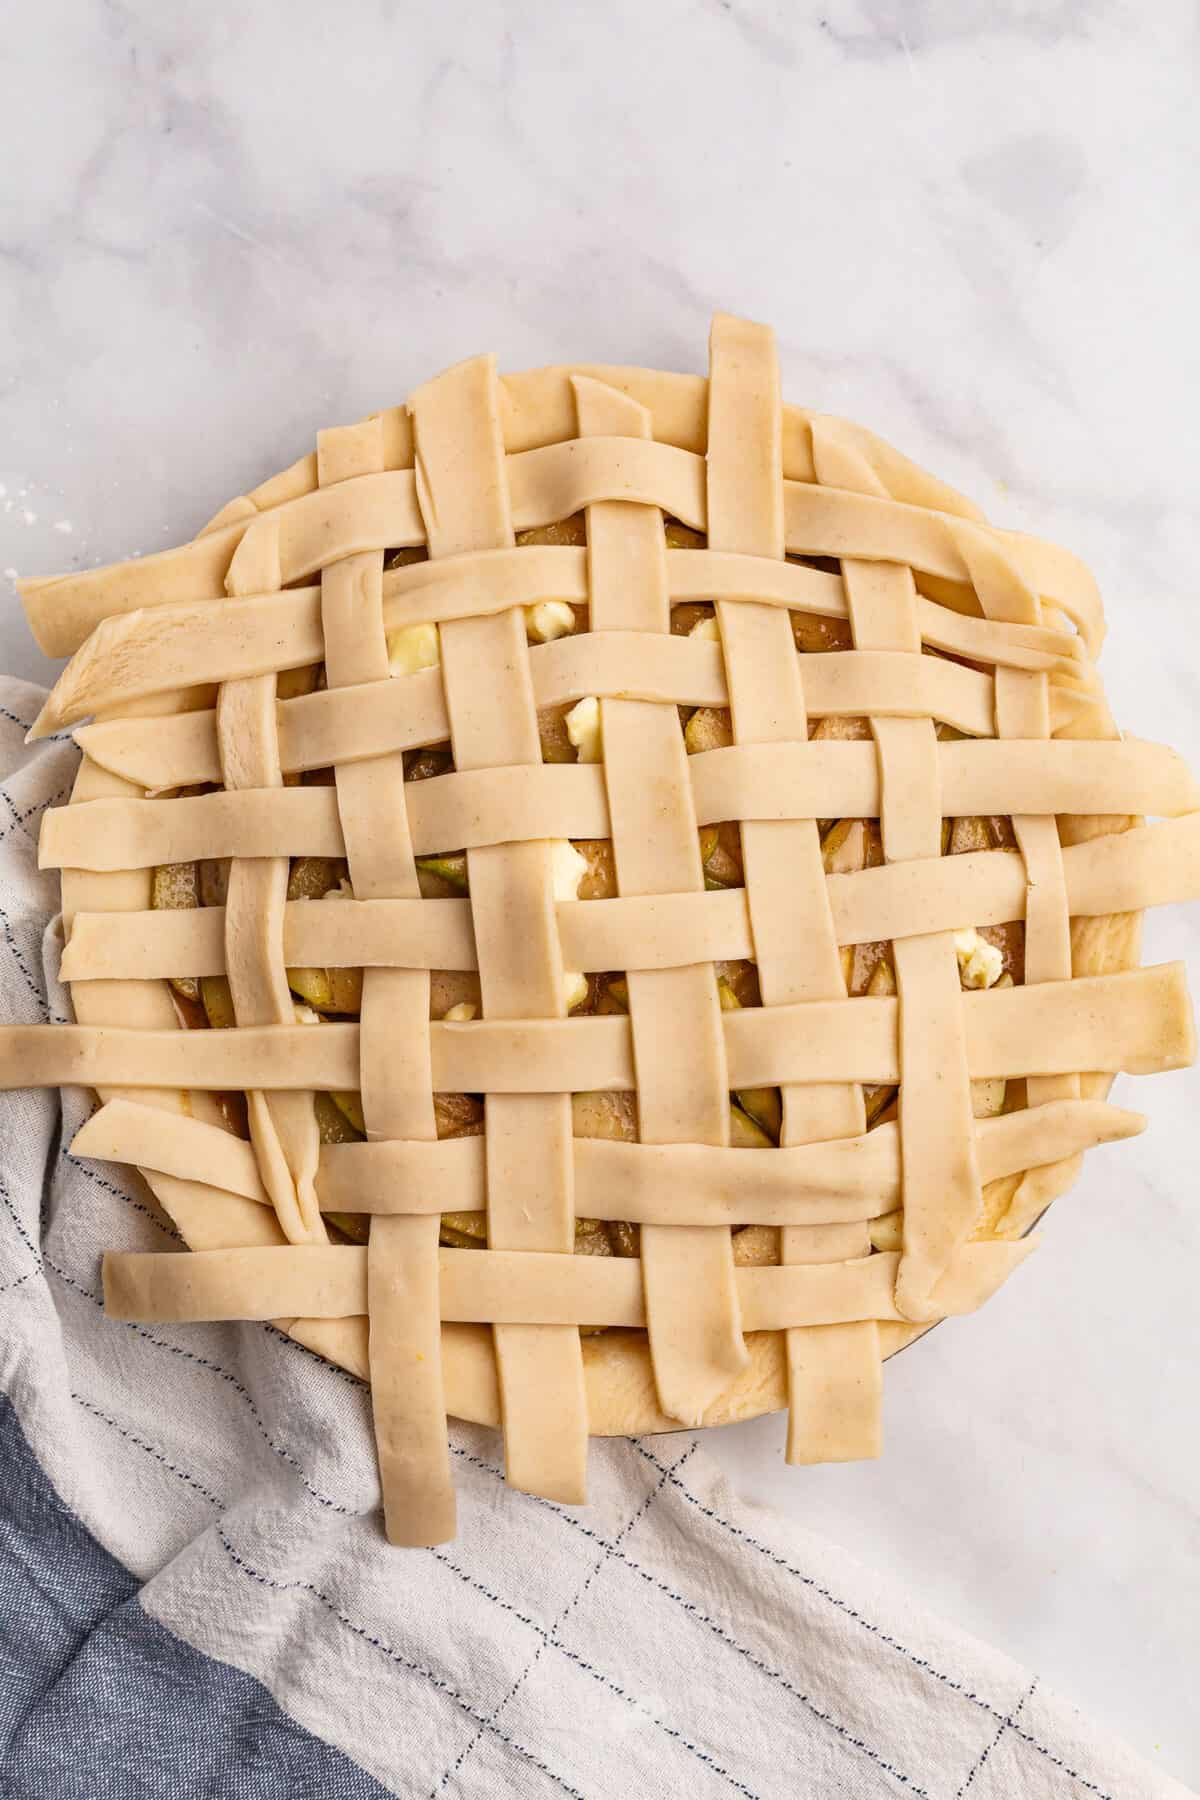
(413,647)
(583,729)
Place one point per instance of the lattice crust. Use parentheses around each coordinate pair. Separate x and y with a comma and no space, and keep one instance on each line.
(967,689)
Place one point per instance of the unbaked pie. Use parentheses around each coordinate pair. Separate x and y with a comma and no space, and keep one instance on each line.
(587,900)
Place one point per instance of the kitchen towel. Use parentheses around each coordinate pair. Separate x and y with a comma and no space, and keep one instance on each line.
(196,1597)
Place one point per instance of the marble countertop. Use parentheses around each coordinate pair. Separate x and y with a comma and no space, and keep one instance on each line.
(973,224)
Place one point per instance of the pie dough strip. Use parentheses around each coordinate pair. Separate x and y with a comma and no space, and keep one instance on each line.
(1023,711)
(846,1179)
(466,809)
(942,1190)
(63,610)
(843,1180)
(404,1332)
(689,672)
(353,724)
(511,1287)
(160,648)
(141,1134)
(828,779)
(465,498)
(208,1219)
(694,1327)
(1148,866)
(835,1376)
(1138,1022)
(283,1126)
(330,933)
(491,580)
(472,808)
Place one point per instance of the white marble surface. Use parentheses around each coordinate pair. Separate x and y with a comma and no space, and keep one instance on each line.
(973,223)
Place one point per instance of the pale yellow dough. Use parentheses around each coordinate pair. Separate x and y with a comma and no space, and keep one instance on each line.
(176,659)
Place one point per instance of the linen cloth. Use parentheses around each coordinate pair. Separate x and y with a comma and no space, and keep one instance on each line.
(196,1597)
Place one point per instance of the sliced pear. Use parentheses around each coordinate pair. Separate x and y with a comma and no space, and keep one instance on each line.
(764,1105)
(969,834)
(312,986)
(350,1106)
(460,1240)
(347,990)
(563,531)
(744,1134)
(591,1238)
(355,1226)
(333,1124)
(756,1247)
(850,730)
(685,618)
(883,975)
(214,881)
(624,1238)
(741,977)
(453,987)
(723,864)
(458,1115)
(844,847)
(604,1115)
(552,733)
(451,869)
(877,1101)
(175,887)
(599,881)
(403,559)
(217,1001)
(455,1115)
(840,730)
(292,682)
(1009,940)
(312,877)
(614,995)
(328,990)
(423,765)
(709,728)
(810,633)
(682,537)
(877,1098)
(470,1224)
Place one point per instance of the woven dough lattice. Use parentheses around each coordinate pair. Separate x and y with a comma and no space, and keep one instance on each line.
(762,670)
